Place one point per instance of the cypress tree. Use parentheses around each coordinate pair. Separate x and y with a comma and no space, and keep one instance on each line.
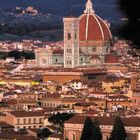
(118,132)
(87,133)
(91,130)
(97,131)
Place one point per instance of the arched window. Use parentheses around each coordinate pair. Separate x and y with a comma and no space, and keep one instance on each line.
(69,36)
(72,136)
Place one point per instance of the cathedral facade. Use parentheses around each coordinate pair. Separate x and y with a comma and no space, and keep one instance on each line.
(86,42)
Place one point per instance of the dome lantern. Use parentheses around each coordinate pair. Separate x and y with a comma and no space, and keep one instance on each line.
(89,8)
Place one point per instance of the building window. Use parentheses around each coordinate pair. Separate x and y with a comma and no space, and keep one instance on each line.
(18,121)
(56,60)
(94,49)
(72,136)
(69,36)
(34,126)
(81,59)
(69,62)
(24,121)
(34,120)
(75,36)
(68,50)
(90,77)
(107,49)
(29,120)
(40,120)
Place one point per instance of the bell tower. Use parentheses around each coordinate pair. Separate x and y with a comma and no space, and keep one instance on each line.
(71,42)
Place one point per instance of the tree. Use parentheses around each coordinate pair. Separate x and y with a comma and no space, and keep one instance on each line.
(43,132)
(97,130)
(131,29)
(118,132)
(87,133)
(91,130)
(59,119)
(14,54)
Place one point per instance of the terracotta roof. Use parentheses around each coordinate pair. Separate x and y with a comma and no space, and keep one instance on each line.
(95,99)
(86,104)
(58,51)
(132,121)
(118,97)
(51,96)
(26,114)
(93,28)
(17,137)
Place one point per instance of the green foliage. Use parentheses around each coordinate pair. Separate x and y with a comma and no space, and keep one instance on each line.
(97,130)
(3,55)
(24,54)
(91,130)
(44,132)
(58,119)
(118,132)
(22,29)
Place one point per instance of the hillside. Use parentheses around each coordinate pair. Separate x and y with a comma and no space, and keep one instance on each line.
(47,24)
(107,9)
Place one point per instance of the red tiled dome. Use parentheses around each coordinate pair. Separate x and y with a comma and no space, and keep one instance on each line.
(93,30)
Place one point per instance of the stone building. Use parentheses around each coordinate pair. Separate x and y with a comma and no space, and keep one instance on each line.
(86,42)
(25,119)
(73,127)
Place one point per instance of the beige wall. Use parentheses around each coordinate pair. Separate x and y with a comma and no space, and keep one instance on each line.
(61,78)
(22,122)
(132,132)
(9,118)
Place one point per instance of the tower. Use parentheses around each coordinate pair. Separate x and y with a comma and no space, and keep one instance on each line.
(71,42)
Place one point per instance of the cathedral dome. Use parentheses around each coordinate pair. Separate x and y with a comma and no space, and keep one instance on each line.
(93,31)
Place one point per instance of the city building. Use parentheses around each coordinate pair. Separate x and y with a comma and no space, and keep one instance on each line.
(87,42)
(24,119)
(73,127)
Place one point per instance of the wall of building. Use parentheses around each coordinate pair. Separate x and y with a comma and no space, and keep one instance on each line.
(136,100)
(62,78)
(9,118)
(132,132)
(29,122)
(24,122)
